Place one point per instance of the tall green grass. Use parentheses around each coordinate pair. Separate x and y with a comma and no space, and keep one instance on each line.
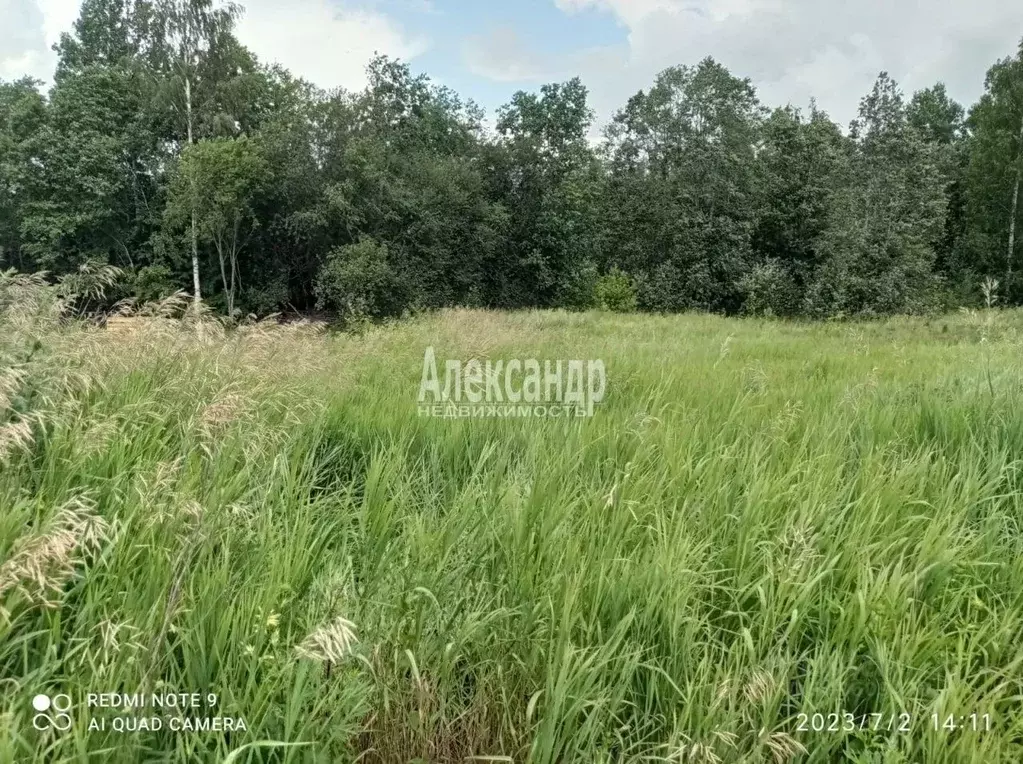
(761,520)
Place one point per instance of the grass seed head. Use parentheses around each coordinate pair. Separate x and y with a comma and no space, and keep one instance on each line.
(783,747)
(14,436)
(333,642)
(760,687)
(42,563)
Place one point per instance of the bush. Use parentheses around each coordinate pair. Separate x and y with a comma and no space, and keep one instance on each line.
(846,287)
(770,290)
(579,290)
(358,281)
(665,290)
(152,283)
(615,292)
(266,298)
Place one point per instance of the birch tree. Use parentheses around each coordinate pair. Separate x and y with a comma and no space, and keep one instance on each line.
(996,173)
(214,189)
(190,32)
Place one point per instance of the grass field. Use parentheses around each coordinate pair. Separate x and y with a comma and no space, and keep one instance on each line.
(761,520)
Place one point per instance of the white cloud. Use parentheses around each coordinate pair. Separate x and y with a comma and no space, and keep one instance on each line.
(327,43)
(31,28)
(503,56)
(792,49)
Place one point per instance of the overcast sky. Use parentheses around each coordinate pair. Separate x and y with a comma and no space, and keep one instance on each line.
(791,49)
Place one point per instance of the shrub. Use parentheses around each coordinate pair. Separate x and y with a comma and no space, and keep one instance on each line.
(266,298)
(358,280)
(770,290)
(615,292)
(662,291)
(579,291)
(152,283)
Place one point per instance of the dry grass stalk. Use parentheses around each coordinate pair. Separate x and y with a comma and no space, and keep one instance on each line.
(42,563)
(760,687)
(331,643)
(783,746)
(222,411)
(14,436)
(11,380)
(695,753)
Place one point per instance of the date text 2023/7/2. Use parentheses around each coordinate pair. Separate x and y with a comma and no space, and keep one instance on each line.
(850,722)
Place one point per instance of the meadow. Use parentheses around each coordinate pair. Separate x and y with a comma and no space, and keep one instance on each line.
(762,520)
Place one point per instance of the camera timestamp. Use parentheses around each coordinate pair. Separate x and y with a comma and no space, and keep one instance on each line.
(972,722)
(846,721)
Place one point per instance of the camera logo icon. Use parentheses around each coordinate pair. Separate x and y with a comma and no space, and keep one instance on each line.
(52,713)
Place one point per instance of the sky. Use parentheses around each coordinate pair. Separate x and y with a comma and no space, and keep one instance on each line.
(792,50)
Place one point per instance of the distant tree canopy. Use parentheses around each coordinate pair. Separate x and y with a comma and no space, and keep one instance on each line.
(167,149)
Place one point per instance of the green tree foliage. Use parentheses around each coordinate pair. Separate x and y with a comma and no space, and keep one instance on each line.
(106,33)
(545,174)
(359,280)
(682,200)
(166,149)
(214,188)
(798,160)
(295,232)
(889,209)
(420,162)
(401,163)
(615,292)
(22,116)
(995,175)
(942,122)
(194,51)
(90,188)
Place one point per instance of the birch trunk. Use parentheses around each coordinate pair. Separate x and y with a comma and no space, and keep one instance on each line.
(196,289)
(1014,209)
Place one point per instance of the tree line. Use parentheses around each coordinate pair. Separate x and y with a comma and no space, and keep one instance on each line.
(166,149)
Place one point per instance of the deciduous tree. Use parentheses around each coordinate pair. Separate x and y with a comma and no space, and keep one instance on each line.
(214,188)
(996,174)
